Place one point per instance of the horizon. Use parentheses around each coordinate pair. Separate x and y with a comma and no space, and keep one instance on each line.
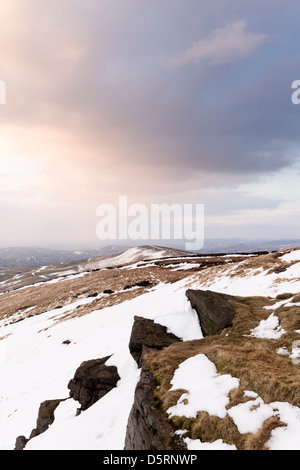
(164,104)
(212,244)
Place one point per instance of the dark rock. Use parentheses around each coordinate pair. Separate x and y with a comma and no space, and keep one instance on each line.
(45,416)
(92,380)
(93,295)
(67,341)
(21,442)
(44,420)
(146,333)
(138,284)
(215,311)
(279,270)
(108,291)
(148,427)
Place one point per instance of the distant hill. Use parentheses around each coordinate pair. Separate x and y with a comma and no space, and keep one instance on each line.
(244,245)
(14,257)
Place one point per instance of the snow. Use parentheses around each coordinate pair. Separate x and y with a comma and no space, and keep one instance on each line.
(206,392)
(282,352)
(38,367)
(296,352)
(292,256)
(276,306)
(286,438)
(216,445)
(103,425)
(250,416)
(269,328)
(206,389)
(184,266)
(254,282)
(133,255)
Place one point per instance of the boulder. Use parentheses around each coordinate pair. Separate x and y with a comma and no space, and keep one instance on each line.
(279,270)
(21,442)
(92,380)
(44,420)
(146,333)
(45,416)
(215,311)
(138,284)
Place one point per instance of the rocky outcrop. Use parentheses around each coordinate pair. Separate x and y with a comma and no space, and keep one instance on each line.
(44,420)
(145,283)
(45,416)
(21,442)
(147,334)
(92,380)
(148,427)
(215,311)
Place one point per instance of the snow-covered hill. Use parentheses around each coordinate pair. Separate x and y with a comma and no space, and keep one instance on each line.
(21,277)
(58,326)
(133,255)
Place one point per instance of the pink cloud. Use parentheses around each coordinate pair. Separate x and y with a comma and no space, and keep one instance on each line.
(223,45)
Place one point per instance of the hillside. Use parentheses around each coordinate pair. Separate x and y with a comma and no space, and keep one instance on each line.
(222,365)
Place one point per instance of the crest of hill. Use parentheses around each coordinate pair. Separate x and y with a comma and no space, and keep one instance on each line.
(136,254)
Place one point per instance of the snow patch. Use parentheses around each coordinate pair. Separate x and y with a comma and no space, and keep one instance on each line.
(206,389)
(269,328)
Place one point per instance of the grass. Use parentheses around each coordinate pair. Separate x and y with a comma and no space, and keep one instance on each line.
(253,361)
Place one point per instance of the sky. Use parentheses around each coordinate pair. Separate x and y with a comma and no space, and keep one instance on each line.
(176,102)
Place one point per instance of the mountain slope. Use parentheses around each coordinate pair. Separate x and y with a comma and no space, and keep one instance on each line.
(49,329)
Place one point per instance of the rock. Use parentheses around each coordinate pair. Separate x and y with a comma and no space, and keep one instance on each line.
(66,342)
(138,284)
(146,333)
(21,442)
(215,311)
(93,295)
(108,291)
(279,270)
(92,380)
(148,427)
(45,416)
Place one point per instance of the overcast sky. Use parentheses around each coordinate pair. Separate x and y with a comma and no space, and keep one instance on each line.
(177,101)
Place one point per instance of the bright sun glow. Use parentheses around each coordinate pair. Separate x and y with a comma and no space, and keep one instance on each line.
(18,171)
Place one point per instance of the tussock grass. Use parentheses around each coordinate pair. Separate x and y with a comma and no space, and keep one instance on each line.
(253,361)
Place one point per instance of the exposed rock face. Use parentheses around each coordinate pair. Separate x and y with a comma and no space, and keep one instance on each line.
(45,417)
(138,284)
(21,442)
(146,333)
(44,420)
(214,310)
(92,380)
(148,426)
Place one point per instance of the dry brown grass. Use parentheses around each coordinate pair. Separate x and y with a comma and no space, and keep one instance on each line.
(47,296)
(296,298)
(289,317)
(210,428)
(258,441)
(252,360)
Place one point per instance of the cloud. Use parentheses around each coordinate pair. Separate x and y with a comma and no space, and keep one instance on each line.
(222,46)
(94,111)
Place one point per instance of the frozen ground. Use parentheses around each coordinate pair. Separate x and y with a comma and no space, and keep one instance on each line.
(37,366)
